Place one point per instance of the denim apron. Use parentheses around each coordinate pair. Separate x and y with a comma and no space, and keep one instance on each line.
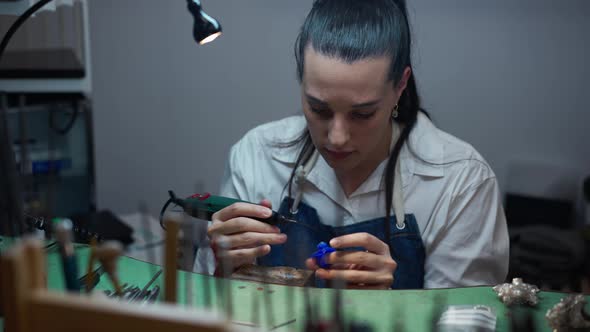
(405,244)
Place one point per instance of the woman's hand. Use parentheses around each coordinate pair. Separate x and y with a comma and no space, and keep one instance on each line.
(244,238)
(370,269)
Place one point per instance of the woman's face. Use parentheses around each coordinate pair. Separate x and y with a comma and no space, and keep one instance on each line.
(348,108)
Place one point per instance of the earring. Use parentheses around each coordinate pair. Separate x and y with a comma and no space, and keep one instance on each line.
(395,113)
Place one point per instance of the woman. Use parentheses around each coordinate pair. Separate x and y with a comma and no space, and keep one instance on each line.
(364,169)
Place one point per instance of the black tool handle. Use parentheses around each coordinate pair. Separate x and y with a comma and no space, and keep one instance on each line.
(71,273)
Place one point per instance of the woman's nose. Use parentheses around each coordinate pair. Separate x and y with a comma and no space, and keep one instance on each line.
(338,135)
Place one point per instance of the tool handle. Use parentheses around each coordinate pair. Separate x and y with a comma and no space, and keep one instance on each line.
(70,268)
(63,234)
(209,204)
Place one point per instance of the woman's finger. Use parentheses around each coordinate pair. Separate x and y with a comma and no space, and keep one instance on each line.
(267,203)
(368,287)
(250,240)
(245,256)
(365,240)
(242,210)
(311,264)
(357,277)
(240,225)
(362,258)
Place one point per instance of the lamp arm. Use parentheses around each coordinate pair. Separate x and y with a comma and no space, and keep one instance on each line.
(21,19)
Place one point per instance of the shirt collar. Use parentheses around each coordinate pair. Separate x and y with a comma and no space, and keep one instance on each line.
(285,151)
(422,155)
(424,151)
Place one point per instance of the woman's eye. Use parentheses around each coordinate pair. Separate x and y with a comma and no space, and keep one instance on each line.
(320,112)
(363,115)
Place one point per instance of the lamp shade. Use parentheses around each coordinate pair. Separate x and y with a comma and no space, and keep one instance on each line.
(205,28)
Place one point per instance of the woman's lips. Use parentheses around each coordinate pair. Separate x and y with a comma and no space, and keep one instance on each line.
(338,155)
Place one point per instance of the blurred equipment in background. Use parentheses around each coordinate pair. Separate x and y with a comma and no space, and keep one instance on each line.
(103,225)
(524,210)
(51,136)
(11,207)
(52,139)
(548,243)
(539,193)
(44,73)
(547,256)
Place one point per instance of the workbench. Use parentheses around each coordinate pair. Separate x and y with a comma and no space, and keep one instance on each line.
(410,309)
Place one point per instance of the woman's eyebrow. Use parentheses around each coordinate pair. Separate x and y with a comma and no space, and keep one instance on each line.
(366,104)
(355,106)
(315,100)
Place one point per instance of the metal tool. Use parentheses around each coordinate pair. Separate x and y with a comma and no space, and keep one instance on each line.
(144,291)
(283,324)
(130,295)
(90,280)
(154,294)
(199,205)
(50,246)
(125,288)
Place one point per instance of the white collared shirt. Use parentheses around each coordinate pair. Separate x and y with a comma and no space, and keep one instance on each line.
(446,184)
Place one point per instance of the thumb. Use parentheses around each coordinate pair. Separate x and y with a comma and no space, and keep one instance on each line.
(266,203)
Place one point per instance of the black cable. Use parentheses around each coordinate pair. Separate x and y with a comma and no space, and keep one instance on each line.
(64,130)
(163,211)
(21,19)
(172,199)
(51,245)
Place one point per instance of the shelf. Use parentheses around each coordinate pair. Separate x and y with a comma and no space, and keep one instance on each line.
(43,63)
(55,57)
(63,74)
(14,7)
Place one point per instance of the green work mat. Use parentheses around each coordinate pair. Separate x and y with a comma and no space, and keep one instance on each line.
(410,310)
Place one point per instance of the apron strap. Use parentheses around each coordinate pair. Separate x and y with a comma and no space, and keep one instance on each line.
(300,178)
(398,197)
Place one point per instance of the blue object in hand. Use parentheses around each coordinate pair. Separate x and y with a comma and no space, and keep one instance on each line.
(321,254)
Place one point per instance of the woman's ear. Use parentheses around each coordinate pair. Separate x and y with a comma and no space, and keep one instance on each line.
(403,82)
